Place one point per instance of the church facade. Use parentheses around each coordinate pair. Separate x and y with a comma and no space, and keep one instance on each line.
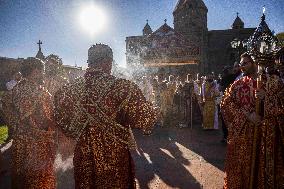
(10,66)
(189,47)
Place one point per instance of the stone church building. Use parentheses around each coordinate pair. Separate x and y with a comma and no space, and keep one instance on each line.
(10,66)
(189,47)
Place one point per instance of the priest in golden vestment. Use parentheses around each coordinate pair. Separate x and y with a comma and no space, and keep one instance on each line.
(210,112)
(33,148)
(99,110)
(238,107)
(270,157)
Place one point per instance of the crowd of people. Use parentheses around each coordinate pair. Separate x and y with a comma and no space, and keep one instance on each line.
(185,100)
(93,117)
(45,113)
(253,111)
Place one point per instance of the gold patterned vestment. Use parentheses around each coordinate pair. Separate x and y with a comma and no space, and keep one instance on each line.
(271,154)
(54,83)
(105,108)
(239,97)
(65,145)
(210,115)
(33,148)
(185,100)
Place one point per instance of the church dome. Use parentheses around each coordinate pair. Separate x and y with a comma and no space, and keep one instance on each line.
(238,23)
(199,4)
(164,30)
(147,30)
(39,53)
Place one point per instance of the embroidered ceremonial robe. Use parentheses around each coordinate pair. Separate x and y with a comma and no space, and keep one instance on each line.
(210,112)
(270,168)
(65,145)
(238,163)
(100,101)
(198,93)
(185,103)
(33,148)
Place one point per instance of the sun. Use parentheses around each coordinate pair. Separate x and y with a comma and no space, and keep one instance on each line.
(92,19)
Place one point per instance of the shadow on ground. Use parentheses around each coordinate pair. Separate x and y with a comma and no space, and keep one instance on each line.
(178,158)
(170,158)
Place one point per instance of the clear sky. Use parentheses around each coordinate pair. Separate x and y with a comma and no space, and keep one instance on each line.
(55,22)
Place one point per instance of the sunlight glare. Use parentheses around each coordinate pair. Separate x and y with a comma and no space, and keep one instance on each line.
(92,18)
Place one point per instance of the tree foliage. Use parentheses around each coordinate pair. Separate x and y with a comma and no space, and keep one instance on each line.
(3,133)
(280,36)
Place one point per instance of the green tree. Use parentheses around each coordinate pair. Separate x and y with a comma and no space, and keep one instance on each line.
(3,133)
(280,36)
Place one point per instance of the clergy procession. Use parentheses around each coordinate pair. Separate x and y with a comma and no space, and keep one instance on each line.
(183,102)
(174,122)
(98,111)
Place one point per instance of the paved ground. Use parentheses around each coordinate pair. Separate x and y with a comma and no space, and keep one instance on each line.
(180,158)
(170,158)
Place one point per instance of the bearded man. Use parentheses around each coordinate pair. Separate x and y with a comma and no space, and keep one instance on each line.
(238,107)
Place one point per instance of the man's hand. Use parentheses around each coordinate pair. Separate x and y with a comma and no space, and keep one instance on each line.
(260,94)
(254,118)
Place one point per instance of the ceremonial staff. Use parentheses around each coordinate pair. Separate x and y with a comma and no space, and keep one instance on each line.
(191,109)
(260,46)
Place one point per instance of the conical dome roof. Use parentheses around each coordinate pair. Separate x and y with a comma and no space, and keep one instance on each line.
(194,3)
(238,23)
(164,30)
(147,30)
(40,55)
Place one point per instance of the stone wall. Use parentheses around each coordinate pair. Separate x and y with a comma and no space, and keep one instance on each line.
(220,51)
(190,20)
(9,66)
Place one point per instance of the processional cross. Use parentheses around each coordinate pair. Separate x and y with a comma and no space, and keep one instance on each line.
(39,43)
